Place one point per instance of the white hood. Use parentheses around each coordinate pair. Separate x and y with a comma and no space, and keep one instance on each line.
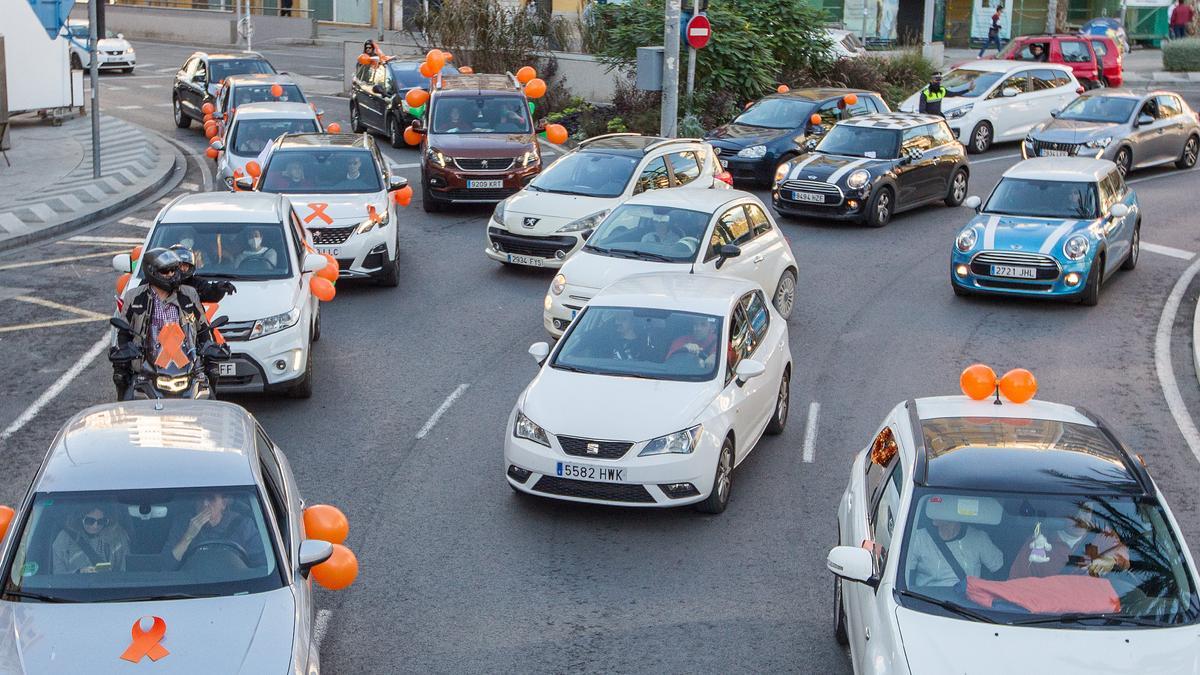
(113,45)
(937,644)
(345,210)
(260,299)
(551,210)
(589,270)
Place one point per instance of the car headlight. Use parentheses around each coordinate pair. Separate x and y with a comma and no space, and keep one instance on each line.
(858,178)
(378,221)
(585,223)
(529,430)
(966,239)
(781,172)
(436,156)
(753,152)
(559,283)
(1076,247)
(274,324)
(528,159)
(1099,142)
(498,213)
(678,443)
(959,112)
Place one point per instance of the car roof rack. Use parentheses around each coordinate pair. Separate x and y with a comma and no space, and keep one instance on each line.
(439,83)
(603,136)
(669,141)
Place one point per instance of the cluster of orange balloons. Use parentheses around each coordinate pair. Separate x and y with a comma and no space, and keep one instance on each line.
(978,381)
(328,523)
(435,60)
(6,516)
(534,86)
(322,288)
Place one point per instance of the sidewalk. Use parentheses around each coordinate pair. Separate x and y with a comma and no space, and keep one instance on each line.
(49,187)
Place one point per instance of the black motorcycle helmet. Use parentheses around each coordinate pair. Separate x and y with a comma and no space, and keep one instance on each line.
(187,263)
(161,266)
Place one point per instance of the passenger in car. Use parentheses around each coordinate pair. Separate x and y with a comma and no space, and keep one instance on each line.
(90,541)
(1072,545)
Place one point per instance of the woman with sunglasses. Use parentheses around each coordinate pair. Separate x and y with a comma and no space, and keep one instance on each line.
(90,542)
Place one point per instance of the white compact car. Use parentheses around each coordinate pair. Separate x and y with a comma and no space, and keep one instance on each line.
(252,129)
(550,218)
(236,91)
(273,318)
(663,385)
(724,232)
(997,100)
(341,186)
(1011,538)
(115,51)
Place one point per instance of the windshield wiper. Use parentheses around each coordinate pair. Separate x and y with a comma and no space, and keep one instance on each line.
(616,253)
(535,188)
(218,275)
(571,192)
(648,256)
(948,606)
(40,597)
(571,369)
(164,596)
(1076,617)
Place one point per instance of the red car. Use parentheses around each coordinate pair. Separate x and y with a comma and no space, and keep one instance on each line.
(1095,59)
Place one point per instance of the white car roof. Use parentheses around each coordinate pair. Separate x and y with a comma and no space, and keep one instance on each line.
(693,198)
(935,407)
(276,110)
(1005,65)
(700,293)
(1066,169)
(132,445)
(224,207)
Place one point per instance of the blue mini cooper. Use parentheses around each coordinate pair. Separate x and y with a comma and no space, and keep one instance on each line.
(1054,227)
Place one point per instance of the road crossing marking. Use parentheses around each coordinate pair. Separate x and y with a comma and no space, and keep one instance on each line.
(113,87)
(88,239)
(1167,251)
(810,432)
(52,261)
(163,105)
(129,107)
(59,306)
(437,414)
(136,222)
(993,159)
(190,187)
(1163,366)
(56,388)
(164,70)
(151,86)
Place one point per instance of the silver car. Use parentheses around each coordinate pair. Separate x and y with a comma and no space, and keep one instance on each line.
(1132,129)
(167,530)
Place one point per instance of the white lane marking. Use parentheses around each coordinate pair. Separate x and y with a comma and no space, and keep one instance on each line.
(810,432)
(113,87)
(189,186)
(52,261)
(59,306)
(1167,251)
(437,414)
(1162,361)
(129,107)
(405,166)
(56,388)
(136,222)
(164,70)
(993,159)
(88,239)
(50,324)
(1172,174)
(151,86)
(321,627)
(164,105)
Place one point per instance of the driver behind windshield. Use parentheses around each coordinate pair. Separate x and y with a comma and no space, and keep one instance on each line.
(663,233)
(970,550)
(90,541)
(256,250)
(701,341)
(216,522)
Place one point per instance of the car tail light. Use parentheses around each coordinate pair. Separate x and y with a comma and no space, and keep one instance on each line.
(725,177)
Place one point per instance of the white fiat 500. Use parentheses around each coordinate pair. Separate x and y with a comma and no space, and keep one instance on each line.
(1012,538)
(551,217)
(255,241)
(720,232)
(662,386)
(253,127)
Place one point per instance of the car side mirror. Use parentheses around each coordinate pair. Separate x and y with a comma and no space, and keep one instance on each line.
(1054,113)
(120,324)
(397,182)
(539,351)
(313,552)
(378,89)
(314,262)
(973,202)
(810,144)
(726,252)
(1118,211)
(852,563)
(218,322)
(218,145)
(122,262)
(748,369)
(1009,92)
(1143,120)
(418,126)
(244,183)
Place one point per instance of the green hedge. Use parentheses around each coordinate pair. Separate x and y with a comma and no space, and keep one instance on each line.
(1181,55)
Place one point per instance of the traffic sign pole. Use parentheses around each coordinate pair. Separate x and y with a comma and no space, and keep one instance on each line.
(670,85)
(699,32)
(691,85)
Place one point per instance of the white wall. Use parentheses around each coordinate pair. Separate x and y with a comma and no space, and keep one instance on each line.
(39,69)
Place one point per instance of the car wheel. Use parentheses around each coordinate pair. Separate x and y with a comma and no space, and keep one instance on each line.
(317,325)
(128,70)
(785,294)
(958,189)
(76,64)
(959,290)
(1090,296)
(782,406)
(181,119)
(1135,248)
(1124,161)
(431,204)
(391,273)
(395,133)
(1188,159)
(304,388)
(718,499)
(839,612)
(981,138)
(879,212)
(356,124)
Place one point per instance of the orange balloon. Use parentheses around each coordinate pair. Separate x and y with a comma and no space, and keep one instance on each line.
(327,523)
(208,108)
(329,273)
(329,259)
(556,134)
(339,571)
(526,74)
(850,99)
(416,97)
(334,128)
(448,55)
(783,89)
(6,516)
(411,136)
(978,381)
(212,153)
(466,70)
(208,117)
(211,132)
(425,70)
(815,119)
(322,288)
(1018,385)
(136,253)
(276,90)
(535,88)
(253,169)
(363,59)
(122,282)
(403,196)
(216,139)
(435,59)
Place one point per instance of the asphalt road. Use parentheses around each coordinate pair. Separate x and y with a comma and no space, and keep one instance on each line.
(460,575)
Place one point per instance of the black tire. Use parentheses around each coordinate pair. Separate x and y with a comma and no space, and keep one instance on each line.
(128,70)
(356,124)
(1188,158)
(182,120)
(76,64)
(959,184)
(879,210)
(718,499)
(1124,160)
(1090,295)
(959,290)
(785,294)
(1135,248)
(391,272)
(981,138)
(1089,85)
(431,204)
(317,326)
(839,613)
(304,388)
(395,133)
(782,405)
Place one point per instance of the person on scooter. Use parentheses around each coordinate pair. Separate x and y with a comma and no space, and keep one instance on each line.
(209,290)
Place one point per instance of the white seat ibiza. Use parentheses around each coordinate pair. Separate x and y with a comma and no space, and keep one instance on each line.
(659,389)
(251,130)
(719,232)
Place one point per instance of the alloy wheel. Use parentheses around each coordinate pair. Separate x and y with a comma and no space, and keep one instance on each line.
(724,474)
(883,207)
(983,138)
(959,190)
(785,295)
(1190,152)
(1123,161)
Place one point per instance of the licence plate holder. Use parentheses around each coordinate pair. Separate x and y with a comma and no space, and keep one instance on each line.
(595,474)
(227,369)
(1014,272)
(485,184)
(810,197)
(532,261)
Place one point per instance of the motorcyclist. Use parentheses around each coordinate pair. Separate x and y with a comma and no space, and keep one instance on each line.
(151,306)
(209,290)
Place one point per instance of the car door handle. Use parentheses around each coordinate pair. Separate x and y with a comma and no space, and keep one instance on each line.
(759,258)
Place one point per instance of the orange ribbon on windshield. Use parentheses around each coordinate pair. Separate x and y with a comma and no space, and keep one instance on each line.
(210,310)
(318,211)
(170,350)
(146,643)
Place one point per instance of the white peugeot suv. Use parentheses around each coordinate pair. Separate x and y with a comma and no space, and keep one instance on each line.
(257,242)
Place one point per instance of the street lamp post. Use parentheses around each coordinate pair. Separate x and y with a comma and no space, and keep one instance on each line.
(94,76)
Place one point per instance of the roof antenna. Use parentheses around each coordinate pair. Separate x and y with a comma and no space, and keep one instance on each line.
(997,401)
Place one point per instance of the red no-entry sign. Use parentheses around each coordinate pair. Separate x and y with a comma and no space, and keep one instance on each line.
(699,31)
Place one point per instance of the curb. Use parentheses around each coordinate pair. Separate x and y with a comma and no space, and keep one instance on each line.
(1196,341)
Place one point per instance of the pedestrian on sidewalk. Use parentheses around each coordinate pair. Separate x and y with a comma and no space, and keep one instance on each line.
(993,32)
(1181,18)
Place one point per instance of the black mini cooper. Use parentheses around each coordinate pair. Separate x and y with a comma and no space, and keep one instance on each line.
(868,168)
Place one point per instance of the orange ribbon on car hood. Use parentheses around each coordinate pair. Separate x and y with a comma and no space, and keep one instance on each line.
(146,643)
(170,347)
(318,211)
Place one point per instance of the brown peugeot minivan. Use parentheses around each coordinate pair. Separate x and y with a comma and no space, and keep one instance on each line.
(480,142)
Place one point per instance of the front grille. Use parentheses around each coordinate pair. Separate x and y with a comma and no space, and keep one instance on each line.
(332,235)
(604,449)
(237,331)
(1047,267)
(114,53)
(478,194)
(1014,285)
(492,164)
(1039,146)
(542,247)
(833,194)
(612,492)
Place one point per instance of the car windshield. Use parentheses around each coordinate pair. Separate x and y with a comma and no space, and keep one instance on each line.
(776,113)
(481,115)
(261,93)
(132,545)
(407,76)
(219,69)
(249,251)
(250,136)
(856,141)
(1043,199)
(656,344)
(591,174)
(1112,109)
(656,233)
(83,31)
(969,83)
(325,171)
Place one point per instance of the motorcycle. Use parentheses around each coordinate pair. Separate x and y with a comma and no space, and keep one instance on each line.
(176,371)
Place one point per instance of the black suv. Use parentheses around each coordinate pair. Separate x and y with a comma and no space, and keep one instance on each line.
(377,97)
(197,82)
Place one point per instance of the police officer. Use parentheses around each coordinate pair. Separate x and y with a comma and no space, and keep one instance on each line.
(209,290)
(930,99)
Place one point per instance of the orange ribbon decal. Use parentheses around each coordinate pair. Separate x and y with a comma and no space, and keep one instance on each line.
(210,310)
(373,214)
(318,211)
(146,643)
(170,340)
